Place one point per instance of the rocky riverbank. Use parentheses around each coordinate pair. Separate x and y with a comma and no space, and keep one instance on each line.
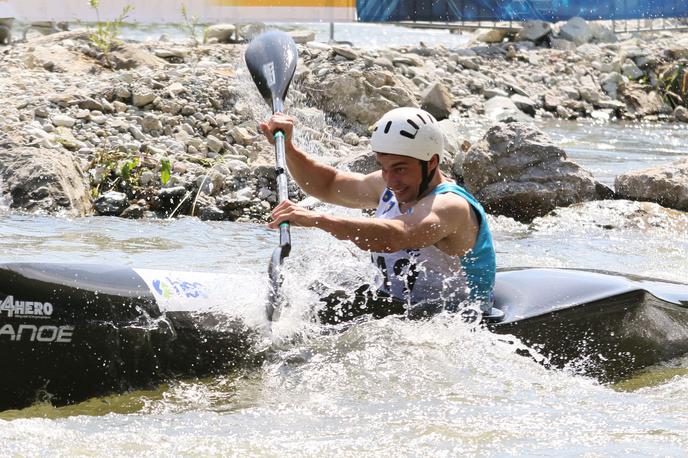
(158,129)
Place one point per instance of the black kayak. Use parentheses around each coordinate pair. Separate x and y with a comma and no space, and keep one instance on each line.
(73,331)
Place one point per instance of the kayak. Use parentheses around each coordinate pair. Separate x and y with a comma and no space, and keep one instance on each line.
(69,332)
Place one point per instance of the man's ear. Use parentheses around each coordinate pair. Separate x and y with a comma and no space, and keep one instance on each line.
(434,161)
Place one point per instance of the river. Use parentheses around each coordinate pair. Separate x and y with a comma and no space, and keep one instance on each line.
(387,387)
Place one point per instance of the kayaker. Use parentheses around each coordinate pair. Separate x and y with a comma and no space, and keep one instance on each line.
(429,237)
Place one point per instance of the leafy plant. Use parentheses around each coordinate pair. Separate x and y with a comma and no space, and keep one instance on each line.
(673,83)
(105,36)
(189,25)
(114,169)
(165,170)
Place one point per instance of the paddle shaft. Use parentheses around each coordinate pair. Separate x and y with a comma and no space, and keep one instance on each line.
(281,173)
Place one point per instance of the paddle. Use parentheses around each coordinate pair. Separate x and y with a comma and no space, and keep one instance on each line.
(271,59)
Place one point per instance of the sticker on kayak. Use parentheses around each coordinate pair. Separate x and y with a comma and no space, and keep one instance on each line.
(181,291)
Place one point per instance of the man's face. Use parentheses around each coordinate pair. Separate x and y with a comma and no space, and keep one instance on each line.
(402,174)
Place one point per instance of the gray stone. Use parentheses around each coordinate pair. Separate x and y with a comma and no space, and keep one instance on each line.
(346,52)
(42,180)
(142,97)
(494,92)
(214,144)
(223,33)
(525,104)
(631,70)
(151,123)
(681,113)
(667,185)
(111,203)
(61,120)
(576,30)
(611,83)
(437,101)
(517,171)
(502,109)
(351,138)
(136,133)
(534,31)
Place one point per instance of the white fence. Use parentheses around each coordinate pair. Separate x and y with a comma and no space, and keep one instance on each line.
(170,11)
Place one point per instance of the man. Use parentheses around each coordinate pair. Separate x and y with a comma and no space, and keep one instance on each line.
(429,236)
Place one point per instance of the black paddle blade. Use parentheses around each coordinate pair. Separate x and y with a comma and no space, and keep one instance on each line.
(271,59)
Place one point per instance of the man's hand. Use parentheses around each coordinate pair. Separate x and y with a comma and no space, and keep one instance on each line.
(279,121)
(294,214)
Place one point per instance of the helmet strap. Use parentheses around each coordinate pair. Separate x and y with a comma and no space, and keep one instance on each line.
(427,177)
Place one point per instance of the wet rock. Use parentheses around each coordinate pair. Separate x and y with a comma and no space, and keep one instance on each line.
(221,33)
(111,203)
(645,103)
(134,211)
(42,180)
(576,30)
(681,113)
(666,185)
(437,101)
(517,171)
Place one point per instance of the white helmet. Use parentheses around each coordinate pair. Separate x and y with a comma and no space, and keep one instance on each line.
(408,132)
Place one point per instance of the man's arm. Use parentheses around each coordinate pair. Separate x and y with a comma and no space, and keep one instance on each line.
(328,184)
(444,220)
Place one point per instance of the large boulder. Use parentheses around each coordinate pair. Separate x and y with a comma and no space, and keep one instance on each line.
(534,31)
(517,171)
(576,30)
(361,97)
(43,180)
(667,185)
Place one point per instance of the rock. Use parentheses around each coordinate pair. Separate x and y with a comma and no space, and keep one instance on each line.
(503,109)
(550,102)
(562,45)
(631,70)
(151,123)
(345,52)
(494,92)
(364,163)
(576,30)
(645,103)
(223,33)
(666,185)
(136,133)
(681,113)
(611,83)
(142,96)
(534,31)
(242,136)
(525,104)
(467,62)
(437,101)
(133,211)
(41,180)
(111,203)
(301,37)
(61,120)
(5,34)
(455,145)
(491,35)
(87,103)
(517,171)
(602,33)
(351,138)
(171,53)
(134,55)
(214,144)
(361,97)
